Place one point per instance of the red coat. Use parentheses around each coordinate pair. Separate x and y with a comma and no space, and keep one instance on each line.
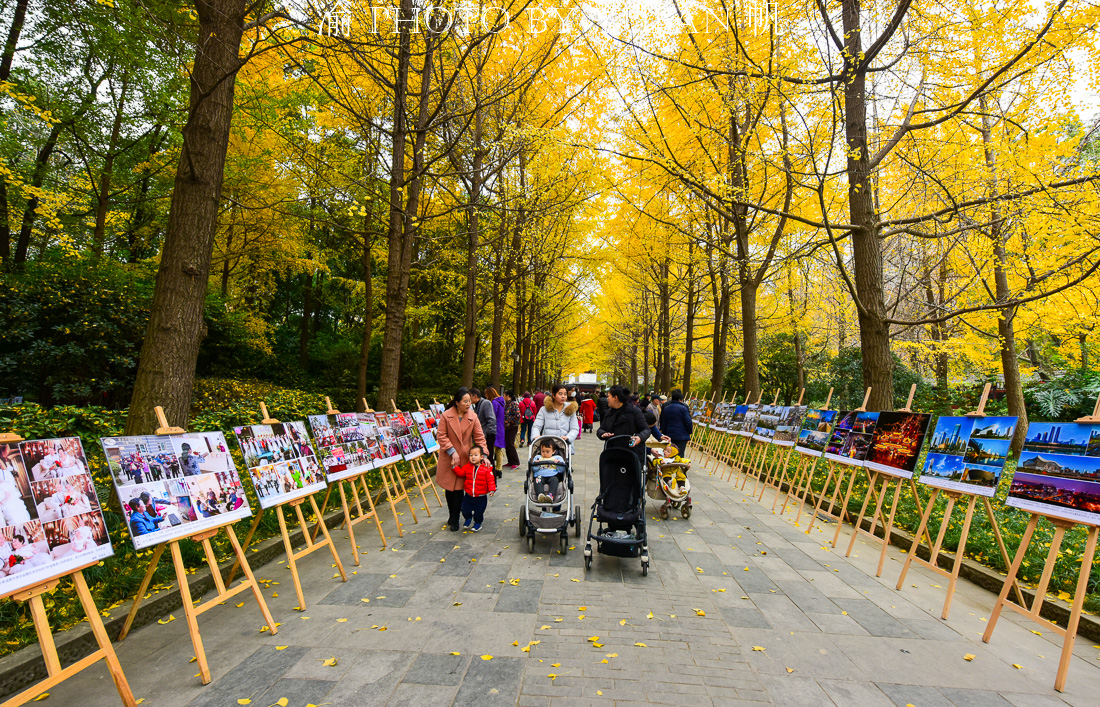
(539,397)
(588,407)
(479,481)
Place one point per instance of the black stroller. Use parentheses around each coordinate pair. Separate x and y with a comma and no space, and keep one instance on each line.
(619,509)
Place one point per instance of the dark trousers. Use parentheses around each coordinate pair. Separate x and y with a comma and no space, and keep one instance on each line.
(454,504)
(525,435)
(490,449)
(510,445)
(475,506)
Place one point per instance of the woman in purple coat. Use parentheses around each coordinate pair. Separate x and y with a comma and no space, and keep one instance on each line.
(499,442)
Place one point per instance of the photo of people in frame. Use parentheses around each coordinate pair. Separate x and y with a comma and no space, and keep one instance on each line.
(53,458)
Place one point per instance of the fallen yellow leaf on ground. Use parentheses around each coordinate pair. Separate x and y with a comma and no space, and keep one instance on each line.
(330,662)
(758,648)
(969,656)
(172,618)
(641,645)
(486,657)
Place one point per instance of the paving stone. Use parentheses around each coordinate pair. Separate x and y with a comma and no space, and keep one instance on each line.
(437,669)
(746,618)
(255,675)
(922,695)
(491,682)
(297,692)
(974,698)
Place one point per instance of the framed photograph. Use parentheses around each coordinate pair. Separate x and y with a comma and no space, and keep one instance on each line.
(1058,474)
(817,430)
(748,424)
(51,520)
(851,438)
(174,486)
(280,461)
(408,435)
(342,451)
(766,422)
(897,442)
(389,449)
(967,454)
(427,436)
(789,425)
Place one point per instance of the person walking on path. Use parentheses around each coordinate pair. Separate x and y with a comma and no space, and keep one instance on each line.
(528,411)
(539,398)
(488,418)
(588,411)
(496,455)
(458,429)
(624,418)
(557,417)
(512,420)
(601,405)
(675,420)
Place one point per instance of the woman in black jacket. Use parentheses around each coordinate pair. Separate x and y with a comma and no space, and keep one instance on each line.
(676,421)
(622,418)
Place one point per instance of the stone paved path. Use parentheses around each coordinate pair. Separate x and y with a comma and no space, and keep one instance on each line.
(734,577)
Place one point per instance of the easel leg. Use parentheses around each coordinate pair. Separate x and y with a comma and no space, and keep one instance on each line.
(916,538)
(888,526)
(45,637)
(141,591)
(100,633)
(405,493)
(1001,545)
(1013,571)
(347,521)
(1075,612)
(373,510)
(824,490)
(247,542)
(272,628)
(290,560)
(324,507)
(844,507)
(189,613)
(328,539)
(958,558)
(872,481)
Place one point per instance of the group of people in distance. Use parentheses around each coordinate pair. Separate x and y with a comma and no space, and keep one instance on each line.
(473,421)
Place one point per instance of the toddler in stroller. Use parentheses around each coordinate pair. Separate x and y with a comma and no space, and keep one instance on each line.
(548,470)
(666,480)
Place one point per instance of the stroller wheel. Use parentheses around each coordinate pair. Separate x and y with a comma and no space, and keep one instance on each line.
(663,511)
(587,562)
(576,521)
(530,543)
(563,544)
(645,569)
(685,511)
(522,522)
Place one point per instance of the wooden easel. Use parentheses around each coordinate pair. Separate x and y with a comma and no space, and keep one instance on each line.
(952,498)
(838,472)
(190,611)
(782,476)
(421,478)
(55,673)
(349,521)
(878,484)
(739,447)
(1069,633)
(713,444)
(805,471)
(291,556)
(756,451)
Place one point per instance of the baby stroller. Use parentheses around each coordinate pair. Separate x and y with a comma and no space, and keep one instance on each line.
(556,516)
(619,510)
(660,489)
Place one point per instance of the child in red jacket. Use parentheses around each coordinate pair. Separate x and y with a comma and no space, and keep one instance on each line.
(480,483)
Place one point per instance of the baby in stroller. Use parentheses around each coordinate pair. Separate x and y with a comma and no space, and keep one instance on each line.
(548,470)
(673,468)
(666,479)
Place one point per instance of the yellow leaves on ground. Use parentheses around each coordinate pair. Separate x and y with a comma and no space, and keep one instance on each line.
(172,618)
(969,657)
(759,648)
(486,657)
(329,662)
(641,645)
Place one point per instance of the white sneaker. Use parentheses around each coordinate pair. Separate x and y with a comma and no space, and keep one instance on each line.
(544,498)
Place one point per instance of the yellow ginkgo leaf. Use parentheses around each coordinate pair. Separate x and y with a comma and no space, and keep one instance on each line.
(597,645)
(169,620)
(574,579)
(544,627)
(555,665)
(758,648)
(365,600)
(486,657)
(455,653)
(515,643)
(700,612)
(140,700)
(593,639)
(622,622)
(1017,666)
(582,608)
(599,692)
(641,645)
(526,649)
(1037,633)
(558,621)
(612,655)
(341,621)
(552,676)
(649,615)
(280,648)
(244,701)
(282,702)
(240,605)
(699,570)
(790,670)
(43,696)
(969,656)
(605,660)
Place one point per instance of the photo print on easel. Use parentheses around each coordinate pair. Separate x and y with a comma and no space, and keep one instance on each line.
(1058,474)
(408,435)
(968,454)
(426,434)
(343,445)
(851,438)
(896,442)
(389,450)
(51,521)
(280,461)
(173,486)
(789,425)
(817,430)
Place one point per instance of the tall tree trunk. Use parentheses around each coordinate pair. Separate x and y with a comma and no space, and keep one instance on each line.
(403,223)
(103,194)
(225,261)
(874,334)
(166,371)
(633,368)
(1006,332)
(719,337)
(689,325)
(30,211)
(368,326)
(10,45)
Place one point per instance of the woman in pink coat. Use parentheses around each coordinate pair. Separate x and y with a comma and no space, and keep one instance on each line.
(457,431)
